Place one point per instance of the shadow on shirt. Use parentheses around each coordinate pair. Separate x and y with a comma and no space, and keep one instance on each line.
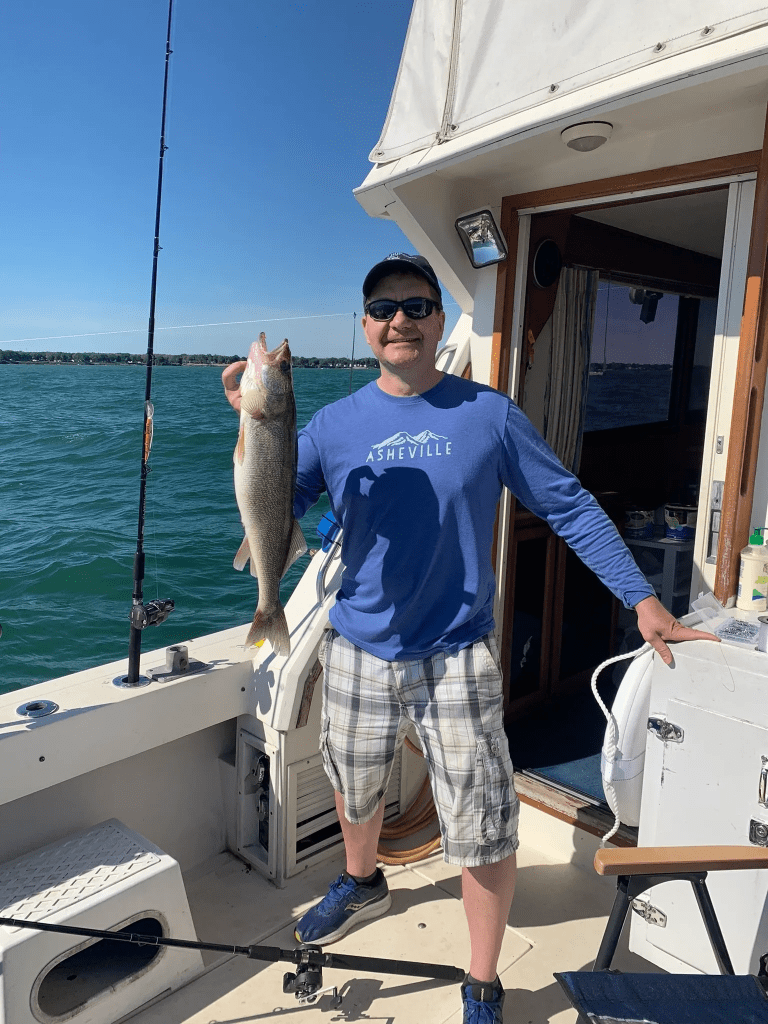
(404,566)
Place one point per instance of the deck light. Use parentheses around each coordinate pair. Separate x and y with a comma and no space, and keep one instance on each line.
(482,239)
(586,136)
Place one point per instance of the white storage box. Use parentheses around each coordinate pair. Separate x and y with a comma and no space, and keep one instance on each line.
(107,877)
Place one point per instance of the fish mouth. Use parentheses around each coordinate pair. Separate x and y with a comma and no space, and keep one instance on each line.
(259,354)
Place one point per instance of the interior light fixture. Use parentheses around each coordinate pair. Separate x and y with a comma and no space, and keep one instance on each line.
(586,136)
(482,239)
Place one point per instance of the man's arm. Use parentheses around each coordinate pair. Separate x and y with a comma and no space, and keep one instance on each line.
(543,484)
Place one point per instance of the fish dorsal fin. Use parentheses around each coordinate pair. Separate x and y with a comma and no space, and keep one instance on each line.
(242,556)
(296,547)
(253,402)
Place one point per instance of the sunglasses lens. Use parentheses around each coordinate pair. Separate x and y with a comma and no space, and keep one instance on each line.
(417,309)
(414,309)
(382,309)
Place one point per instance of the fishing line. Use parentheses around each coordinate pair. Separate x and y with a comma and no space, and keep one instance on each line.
(187,327)
(178,327)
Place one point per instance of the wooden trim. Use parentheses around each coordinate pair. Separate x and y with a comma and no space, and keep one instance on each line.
(749,394)
(662,860)
(661,177)
(570,809)
(505,301)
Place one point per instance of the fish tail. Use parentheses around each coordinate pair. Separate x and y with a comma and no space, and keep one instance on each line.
(272,627)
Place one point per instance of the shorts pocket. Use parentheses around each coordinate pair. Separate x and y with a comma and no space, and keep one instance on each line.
(329,763)
(325,642)
(494,797)
(491,648)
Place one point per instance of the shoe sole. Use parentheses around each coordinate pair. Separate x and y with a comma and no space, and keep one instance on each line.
(366,914)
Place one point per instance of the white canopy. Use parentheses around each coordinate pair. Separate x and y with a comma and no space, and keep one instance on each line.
(469,63)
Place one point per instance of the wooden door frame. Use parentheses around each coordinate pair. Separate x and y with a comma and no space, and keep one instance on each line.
(753,341)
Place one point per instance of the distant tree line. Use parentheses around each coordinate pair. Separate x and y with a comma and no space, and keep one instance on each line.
(87,358)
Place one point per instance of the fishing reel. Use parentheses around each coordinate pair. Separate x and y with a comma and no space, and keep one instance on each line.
(307,982)
(150,614)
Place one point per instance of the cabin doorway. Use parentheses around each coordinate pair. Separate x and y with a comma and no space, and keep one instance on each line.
(628,413)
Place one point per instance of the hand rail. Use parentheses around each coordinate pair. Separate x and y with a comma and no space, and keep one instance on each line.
(335,547)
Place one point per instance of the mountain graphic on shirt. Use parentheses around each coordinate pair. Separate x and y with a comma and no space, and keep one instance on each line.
(403,437)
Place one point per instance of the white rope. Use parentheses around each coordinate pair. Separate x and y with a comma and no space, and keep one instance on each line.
(612,736)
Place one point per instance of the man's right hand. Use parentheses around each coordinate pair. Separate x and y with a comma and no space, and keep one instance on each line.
(232,385)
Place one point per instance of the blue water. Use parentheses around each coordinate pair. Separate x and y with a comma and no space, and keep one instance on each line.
(70,464)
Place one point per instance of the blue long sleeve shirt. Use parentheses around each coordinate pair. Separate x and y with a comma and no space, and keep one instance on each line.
(415,482)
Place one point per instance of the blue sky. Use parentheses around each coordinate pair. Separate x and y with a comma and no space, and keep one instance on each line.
(273,110)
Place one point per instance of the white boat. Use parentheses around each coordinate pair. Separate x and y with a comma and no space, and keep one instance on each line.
(623,141)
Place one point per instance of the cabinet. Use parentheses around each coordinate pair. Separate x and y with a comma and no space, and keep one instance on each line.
(704,786)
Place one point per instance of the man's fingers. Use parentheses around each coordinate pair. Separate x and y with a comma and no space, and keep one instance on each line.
(685,633)
(664,652)
(231,386)
(229,375)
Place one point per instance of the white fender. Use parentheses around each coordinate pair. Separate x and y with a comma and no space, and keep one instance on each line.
(623,756)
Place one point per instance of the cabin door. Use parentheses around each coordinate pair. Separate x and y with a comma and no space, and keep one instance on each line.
(626,365)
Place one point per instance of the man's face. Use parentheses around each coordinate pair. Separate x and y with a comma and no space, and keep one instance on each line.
(400,343)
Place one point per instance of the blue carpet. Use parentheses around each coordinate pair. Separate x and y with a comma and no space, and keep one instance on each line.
(562,742)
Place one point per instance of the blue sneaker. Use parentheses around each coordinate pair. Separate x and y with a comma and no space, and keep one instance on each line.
(483,1003)
(348,903)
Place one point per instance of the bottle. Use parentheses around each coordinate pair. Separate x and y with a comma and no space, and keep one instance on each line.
(753,575)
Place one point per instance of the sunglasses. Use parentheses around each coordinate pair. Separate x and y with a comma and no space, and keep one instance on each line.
(414,309)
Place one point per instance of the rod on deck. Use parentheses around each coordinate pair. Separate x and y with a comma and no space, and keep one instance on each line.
(306,983)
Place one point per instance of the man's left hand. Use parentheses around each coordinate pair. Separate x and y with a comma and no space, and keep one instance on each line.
(231,386)
(657,625)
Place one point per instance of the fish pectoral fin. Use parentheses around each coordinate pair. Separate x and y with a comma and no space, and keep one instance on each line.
(242,556)
(296,547)
(240,447)
(253,402)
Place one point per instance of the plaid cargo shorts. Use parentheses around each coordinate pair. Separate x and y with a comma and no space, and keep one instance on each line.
(455,702)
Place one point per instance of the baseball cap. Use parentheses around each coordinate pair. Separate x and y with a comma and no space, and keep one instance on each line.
(398,263)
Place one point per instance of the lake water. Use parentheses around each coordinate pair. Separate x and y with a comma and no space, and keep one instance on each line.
(70,463)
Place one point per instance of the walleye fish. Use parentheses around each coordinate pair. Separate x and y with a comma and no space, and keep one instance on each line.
(265,479)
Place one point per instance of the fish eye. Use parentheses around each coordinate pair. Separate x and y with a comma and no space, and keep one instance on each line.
(285,365)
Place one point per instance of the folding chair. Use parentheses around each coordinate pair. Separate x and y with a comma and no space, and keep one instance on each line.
(603,996)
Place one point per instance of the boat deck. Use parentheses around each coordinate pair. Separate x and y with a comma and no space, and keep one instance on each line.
(556,923)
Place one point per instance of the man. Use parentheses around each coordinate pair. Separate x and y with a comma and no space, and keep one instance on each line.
(413,464)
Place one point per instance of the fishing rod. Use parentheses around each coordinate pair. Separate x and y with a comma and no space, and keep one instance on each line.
(307,981)
(154,612)
(352,360)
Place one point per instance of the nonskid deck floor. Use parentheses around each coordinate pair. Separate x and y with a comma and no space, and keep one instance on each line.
(557,920)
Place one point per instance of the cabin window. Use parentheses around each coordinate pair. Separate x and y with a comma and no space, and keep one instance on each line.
(702,361)
(648,372)
(631,362)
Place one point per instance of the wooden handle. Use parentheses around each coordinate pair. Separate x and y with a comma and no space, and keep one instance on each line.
(659,860)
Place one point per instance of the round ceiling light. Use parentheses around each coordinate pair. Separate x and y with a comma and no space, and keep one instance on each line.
(587,136)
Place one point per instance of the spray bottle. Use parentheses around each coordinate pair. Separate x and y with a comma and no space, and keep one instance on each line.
(753,574)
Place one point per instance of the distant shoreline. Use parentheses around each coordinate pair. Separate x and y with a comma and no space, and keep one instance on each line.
(8,358)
